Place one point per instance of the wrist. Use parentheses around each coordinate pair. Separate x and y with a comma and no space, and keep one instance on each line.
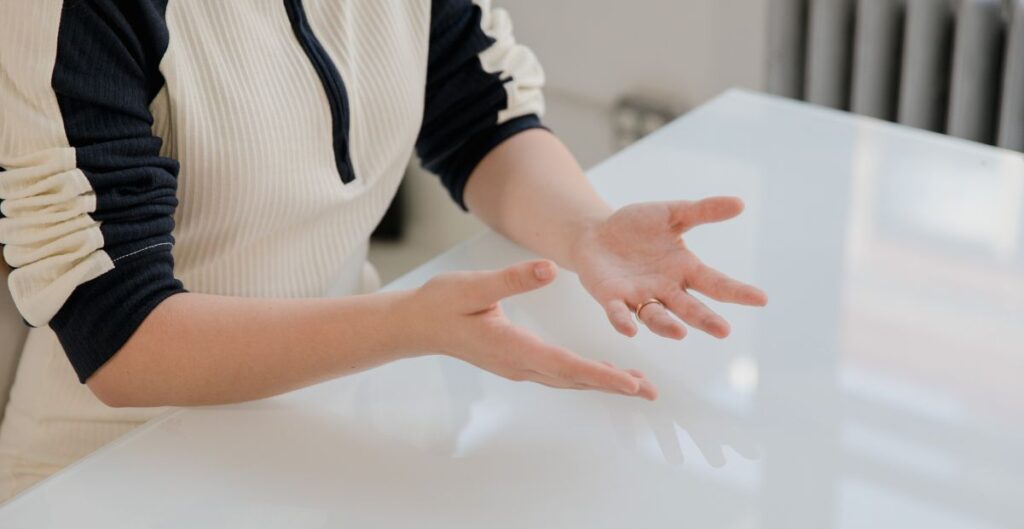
(408,324)
(391,319)
(582,239)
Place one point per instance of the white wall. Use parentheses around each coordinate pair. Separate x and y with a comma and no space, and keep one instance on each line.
(687,50)
(682,52)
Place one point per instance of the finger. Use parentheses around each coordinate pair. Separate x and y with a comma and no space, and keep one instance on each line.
(558,383)
(636,373)
(647,389)
(568,366)
(721,287)
(660,322)
(533,354)
(491,286)
(553,382)
(621,317)
(697,314)
(686,214)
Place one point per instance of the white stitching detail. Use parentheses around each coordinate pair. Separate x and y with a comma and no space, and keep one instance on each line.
(140,250)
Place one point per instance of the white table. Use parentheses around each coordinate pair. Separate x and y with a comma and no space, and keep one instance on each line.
(882,386)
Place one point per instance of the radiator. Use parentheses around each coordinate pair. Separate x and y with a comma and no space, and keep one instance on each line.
(951,66)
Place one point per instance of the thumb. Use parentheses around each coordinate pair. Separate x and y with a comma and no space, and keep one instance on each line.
(492,286)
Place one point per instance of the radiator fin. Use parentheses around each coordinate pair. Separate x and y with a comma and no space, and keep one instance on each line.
(1011,120)
(878,43)
(951,66)
(786,45)
(925,87)
(977,67)
(828,60)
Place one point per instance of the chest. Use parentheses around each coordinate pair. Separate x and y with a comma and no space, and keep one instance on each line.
(325,94)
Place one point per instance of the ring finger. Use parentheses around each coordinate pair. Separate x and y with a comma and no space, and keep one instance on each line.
(660,322)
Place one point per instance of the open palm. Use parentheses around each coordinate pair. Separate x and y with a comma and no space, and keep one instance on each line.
(638,254)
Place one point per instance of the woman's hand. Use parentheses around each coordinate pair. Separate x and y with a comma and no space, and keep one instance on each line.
(638,253)
(458,314)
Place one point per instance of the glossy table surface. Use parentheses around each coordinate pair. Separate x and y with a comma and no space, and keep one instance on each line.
(881,387)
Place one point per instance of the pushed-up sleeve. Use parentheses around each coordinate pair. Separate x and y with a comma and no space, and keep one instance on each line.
(482,88)
(87,201)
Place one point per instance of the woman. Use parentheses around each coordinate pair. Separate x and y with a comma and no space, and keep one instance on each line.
(283,127)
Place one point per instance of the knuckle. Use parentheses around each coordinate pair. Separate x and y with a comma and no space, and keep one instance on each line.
(563,373)
(513,279)
(606,382)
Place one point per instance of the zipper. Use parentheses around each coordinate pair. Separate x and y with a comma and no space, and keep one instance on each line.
(334,87)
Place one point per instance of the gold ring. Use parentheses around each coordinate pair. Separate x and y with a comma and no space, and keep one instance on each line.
(641,306)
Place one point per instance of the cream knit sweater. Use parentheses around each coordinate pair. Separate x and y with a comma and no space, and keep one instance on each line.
(239,148)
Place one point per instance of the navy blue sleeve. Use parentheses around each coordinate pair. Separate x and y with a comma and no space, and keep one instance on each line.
(482,88)
(105,76)
(97,269)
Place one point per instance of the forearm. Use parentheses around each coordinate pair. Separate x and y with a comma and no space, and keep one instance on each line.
(197,349)
(531,189)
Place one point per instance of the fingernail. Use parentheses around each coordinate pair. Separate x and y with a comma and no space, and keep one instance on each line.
(543,271)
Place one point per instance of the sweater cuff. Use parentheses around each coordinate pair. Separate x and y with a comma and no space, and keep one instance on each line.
(102,314)
(465,160)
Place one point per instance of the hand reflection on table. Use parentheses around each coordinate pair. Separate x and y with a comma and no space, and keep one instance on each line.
(709,428)
(445,407)
(586,332)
